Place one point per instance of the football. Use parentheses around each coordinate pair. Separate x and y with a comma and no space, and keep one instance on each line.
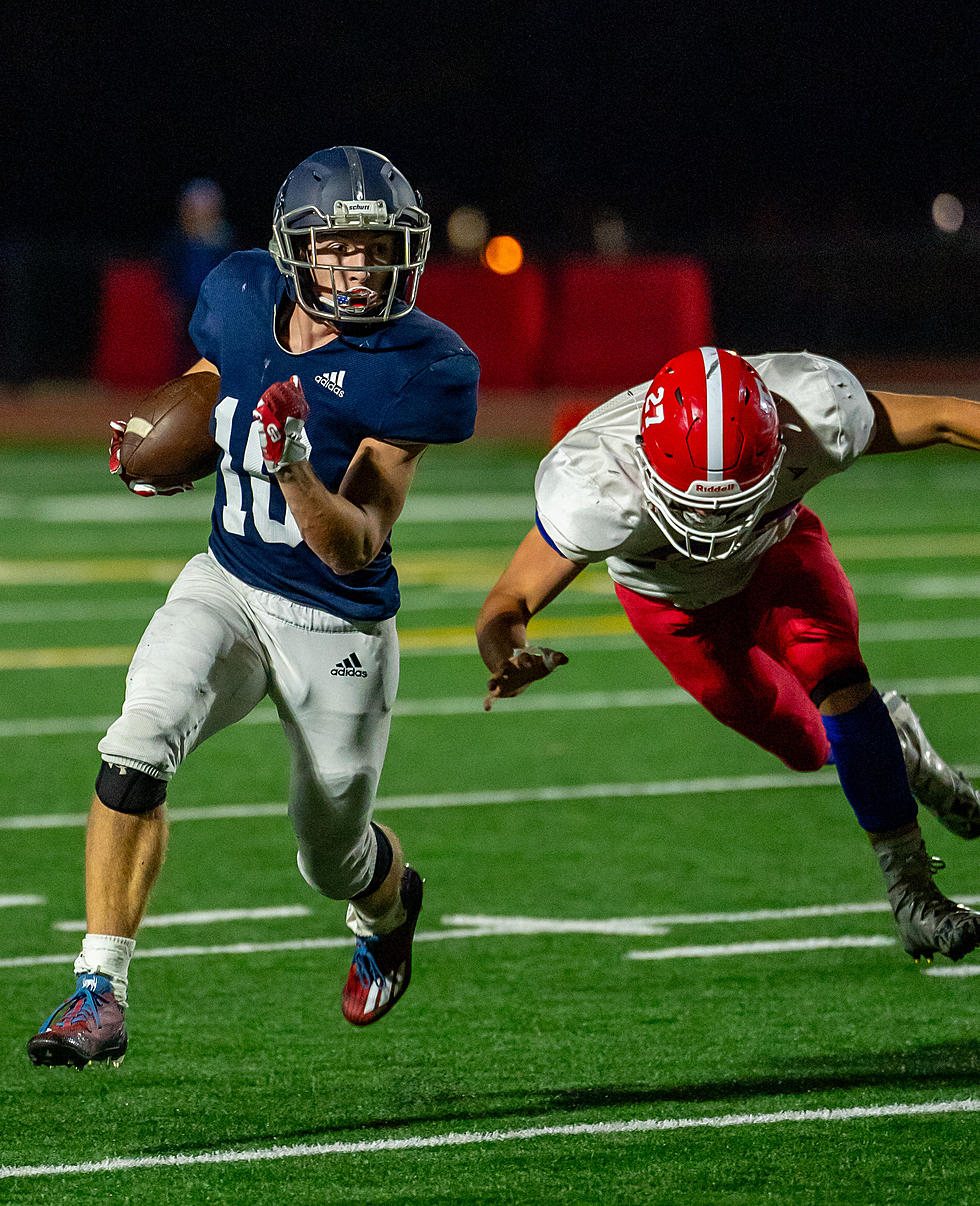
(167,441)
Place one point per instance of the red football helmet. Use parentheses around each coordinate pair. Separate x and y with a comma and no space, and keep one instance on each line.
(709,451)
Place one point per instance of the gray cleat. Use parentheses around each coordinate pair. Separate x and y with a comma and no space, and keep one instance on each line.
(928,922)
(947,793)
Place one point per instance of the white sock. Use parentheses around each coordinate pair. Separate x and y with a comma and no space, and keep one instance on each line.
(365,926)
(107,955)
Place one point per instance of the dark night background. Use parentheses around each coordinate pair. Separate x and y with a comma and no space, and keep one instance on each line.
(742,133)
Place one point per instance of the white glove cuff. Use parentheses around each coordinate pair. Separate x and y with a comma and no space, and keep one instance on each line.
(295,444)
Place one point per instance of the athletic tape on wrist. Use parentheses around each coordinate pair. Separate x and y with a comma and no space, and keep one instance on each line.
(548,656)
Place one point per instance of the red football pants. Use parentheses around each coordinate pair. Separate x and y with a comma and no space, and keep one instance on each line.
(753,659)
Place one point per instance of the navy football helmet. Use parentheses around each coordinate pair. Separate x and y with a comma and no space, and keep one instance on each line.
(341,199)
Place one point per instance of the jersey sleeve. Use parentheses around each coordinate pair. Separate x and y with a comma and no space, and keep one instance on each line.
(828,401)
(205,324)
(437,405)
(586,505)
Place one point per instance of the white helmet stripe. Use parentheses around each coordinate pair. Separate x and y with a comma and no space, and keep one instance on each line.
(716,418)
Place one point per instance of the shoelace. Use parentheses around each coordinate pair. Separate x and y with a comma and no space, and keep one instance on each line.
(81,1005)
(365,964)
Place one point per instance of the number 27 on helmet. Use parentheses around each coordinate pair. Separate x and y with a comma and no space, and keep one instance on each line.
(709,451)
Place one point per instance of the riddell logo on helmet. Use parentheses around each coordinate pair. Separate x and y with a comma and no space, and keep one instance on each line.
(728,487)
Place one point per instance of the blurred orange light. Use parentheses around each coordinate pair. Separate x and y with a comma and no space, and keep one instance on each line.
(503,255)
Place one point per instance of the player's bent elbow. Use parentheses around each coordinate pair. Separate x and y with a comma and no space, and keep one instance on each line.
(349,558)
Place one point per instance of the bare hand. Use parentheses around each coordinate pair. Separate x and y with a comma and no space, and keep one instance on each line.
(524,667)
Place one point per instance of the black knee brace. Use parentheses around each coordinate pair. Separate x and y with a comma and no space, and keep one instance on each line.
(850,676)
(125,789)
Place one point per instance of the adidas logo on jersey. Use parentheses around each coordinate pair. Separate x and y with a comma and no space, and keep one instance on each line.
(350,667)
(332,381)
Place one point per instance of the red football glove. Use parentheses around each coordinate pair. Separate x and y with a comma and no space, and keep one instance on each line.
(143,489)
(282,413)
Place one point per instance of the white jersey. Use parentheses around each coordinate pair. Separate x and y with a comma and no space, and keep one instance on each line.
(591,505)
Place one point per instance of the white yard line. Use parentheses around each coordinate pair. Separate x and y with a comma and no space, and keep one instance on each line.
(246,948)
(475,799)
(451,597)
(472,705)
(198,917)
(513,925)
(78,611)
(626,1126)
(469,926)
(119,507)
(595,632)
(14,902)
(784,946)
(913,586)
(559,793)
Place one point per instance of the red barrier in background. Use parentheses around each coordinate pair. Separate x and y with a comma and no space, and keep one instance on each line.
(584,325)
(618,322)
(501,318)
(136,340)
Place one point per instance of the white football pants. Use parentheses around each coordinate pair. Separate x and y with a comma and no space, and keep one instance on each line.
(214,650)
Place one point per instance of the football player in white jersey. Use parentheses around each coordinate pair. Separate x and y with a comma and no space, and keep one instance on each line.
(690,487)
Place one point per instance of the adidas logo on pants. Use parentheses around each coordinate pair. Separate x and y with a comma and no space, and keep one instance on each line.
(350,667)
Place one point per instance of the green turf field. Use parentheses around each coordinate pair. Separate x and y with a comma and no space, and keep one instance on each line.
(653,965)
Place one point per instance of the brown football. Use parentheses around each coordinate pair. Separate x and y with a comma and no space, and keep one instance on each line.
(167,441)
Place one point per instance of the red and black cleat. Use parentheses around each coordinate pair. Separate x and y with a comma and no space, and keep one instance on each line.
(382,966)
(89,1027)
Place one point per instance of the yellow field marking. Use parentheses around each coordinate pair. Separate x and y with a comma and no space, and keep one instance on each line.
(900,544)
(454,637)
(473,567)
(542,629)
(77,573)
(66,658)
(469,567)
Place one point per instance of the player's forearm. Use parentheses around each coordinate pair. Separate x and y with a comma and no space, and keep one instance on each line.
(337,531)
(960,422)
(500,629)
(907,421)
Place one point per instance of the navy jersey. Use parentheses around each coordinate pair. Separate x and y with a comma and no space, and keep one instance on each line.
(413,380)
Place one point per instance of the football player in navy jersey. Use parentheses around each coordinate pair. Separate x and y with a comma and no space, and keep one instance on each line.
(332,384)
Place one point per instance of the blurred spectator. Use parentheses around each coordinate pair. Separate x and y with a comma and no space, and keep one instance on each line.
(467,232)
(610,238)
(199,242)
